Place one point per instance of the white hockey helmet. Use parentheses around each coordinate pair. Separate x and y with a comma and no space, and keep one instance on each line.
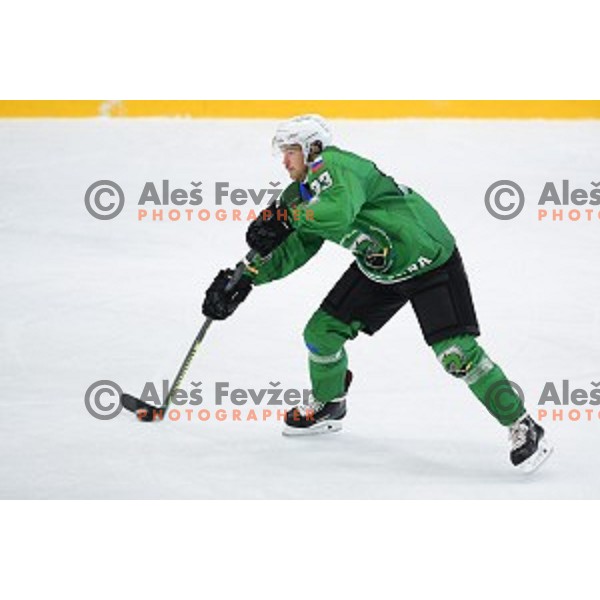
(303,131)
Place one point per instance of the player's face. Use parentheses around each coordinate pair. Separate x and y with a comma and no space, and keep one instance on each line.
(293,161)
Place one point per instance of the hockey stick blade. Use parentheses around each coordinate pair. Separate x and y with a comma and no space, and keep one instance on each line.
(147,412)
(143,411)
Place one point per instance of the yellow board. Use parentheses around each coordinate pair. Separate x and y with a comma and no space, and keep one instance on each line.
(280,109)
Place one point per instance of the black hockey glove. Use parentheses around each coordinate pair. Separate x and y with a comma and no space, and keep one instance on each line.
(268,231)
(220,303)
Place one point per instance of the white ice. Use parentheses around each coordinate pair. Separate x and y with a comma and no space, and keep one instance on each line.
(84,300)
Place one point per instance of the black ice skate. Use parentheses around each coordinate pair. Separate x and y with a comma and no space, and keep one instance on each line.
(529,447)
(317,417)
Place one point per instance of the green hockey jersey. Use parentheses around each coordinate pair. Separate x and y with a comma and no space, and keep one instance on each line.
(393,232)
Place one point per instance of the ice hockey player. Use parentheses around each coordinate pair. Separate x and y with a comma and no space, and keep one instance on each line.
(403,253)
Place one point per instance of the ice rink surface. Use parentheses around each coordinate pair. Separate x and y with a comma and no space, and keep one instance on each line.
(85,300)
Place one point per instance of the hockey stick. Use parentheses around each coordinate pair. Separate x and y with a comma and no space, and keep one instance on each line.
(149,412)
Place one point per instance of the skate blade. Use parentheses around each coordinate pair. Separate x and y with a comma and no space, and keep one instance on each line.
(317,429)
(534,462)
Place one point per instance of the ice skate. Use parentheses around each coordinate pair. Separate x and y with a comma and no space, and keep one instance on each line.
(529,446)
(317,417)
